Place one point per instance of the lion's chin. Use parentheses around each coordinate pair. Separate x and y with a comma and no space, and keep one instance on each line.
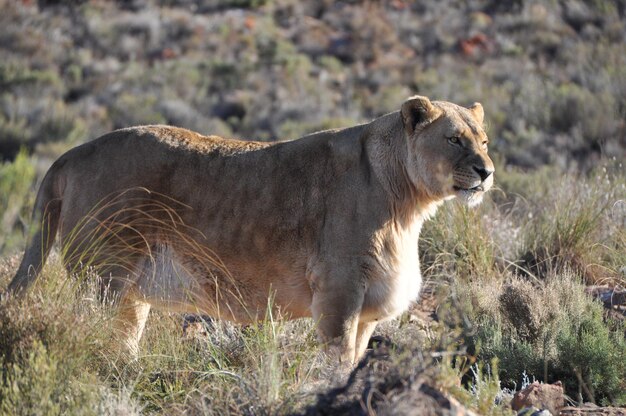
(470,197)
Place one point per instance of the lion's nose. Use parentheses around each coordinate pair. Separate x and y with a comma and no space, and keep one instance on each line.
(484,173)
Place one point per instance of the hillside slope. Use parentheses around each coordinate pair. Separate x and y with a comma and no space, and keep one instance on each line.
(551,75)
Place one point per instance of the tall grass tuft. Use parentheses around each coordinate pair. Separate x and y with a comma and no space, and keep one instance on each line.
(459,242)
(577,225)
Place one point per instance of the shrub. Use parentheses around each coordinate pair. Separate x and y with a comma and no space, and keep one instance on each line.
(16,200)
(549,330)
(43,384)
(596,356)
(52,348)
(131,110)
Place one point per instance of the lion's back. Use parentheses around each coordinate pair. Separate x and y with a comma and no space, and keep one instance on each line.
(183,139)
(143,153)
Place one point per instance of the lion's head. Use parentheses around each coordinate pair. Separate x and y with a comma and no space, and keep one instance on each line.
(447,149)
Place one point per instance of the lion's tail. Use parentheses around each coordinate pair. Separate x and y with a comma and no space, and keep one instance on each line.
(45,219)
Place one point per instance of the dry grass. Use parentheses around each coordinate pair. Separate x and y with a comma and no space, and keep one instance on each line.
(59,337)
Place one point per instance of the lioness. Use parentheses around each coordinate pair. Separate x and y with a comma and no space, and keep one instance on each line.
(326,226)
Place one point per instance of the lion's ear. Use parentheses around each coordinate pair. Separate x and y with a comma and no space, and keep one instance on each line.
(417,110)
(478,112)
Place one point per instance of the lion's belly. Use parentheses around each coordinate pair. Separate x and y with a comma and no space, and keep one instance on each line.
(272,283)
(237,291)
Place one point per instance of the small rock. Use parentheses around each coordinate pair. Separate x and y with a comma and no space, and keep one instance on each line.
(592,410)
(194,327)
(533,411)
(610,296)
(542,396)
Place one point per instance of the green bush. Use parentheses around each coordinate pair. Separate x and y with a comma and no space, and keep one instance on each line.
(596,355)
(548,330)
(14,75)
(132,110)
(43,384)
(16,200)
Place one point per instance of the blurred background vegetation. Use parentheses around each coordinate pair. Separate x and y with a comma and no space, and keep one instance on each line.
(512,278)
(551,74)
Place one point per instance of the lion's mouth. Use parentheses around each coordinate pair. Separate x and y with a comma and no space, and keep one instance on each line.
(477,188)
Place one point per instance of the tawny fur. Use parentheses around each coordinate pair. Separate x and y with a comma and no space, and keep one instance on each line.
(326,225)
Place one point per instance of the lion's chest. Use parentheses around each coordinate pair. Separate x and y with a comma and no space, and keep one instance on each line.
(397,281)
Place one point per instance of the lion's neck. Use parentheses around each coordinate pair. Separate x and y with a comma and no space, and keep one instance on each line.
(387,153)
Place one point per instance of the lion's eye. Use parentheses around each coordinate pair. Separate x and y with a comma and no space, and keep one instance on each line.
(485,145)
(454,140)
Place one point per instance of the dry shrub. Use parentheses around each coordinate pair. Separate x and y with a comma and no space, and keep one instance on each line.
(384,382)
(518,308)
(68,322)
(52,349)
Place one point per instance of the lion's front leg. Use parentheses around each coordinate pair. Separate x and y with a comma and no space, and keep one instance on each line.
(364,332)
(336,308)
(130,321)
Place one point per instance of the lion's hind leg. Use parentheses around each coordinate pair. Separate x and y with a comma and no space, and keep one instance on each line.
(119,289)
(166,280)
